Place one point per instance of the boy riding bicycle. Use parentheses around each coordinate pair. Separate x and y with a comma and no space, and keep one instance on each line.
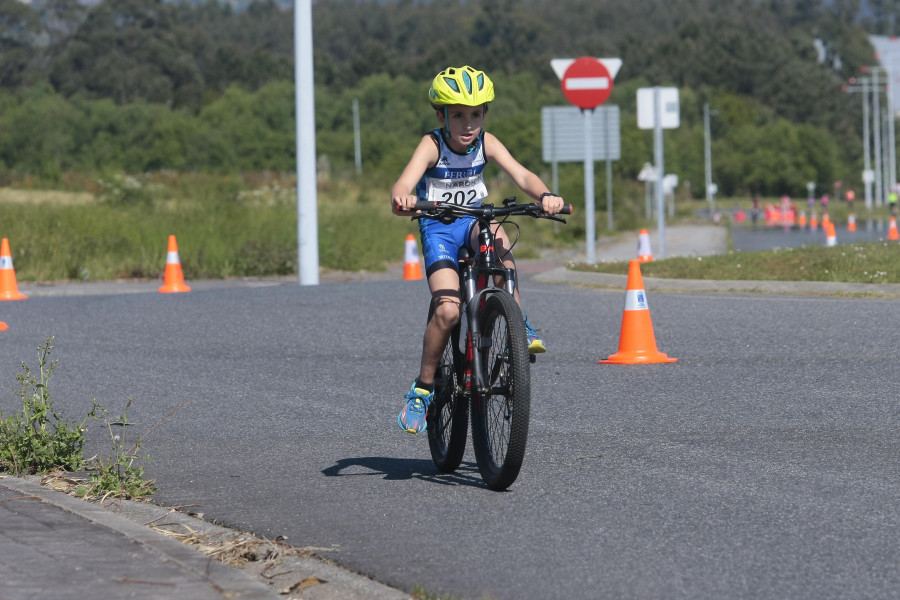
(447,166)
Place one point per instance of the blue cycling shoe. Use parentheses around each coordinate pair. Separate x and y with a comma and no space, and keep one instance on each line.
(534,341)
(412,417)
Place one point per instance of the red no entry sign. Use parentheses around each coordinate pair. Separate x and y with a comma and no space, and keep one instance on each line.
(587,83)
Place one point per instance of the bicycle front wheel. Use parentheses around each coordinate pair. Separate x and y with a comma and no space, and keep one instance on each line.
(501,412)
(448,415)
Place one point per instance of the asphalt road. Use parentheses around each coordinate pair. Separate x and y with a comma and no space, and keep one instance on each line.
(763,464)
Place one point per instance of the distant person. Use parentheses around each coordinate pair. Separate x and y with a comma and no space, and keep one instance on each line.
(825,203)
(892,202)
(754,212)
(452,158)
(851,196)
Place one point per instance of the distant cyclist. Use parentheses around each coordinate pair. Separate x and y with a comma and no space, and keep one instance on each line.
(448,166)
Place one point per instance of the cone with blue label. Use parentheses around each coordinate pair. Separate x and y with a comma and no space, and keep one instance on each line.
(637,344)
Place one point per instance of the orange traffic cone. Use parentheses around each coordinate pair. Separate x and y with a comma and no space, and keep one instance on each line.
(412,270)
(813,221)
(637,344)
(801,220)
(3,326)
(892,230)
(830,235)
(644,253)
(851,222)
(174,279)
(9,289)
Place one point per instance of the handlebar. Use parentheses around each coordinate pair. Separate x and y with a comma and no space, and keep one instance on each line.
(431,209)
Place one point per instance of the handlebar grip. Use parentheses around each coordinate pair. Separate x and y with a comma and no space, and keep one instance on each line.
(425,205)
(566,209)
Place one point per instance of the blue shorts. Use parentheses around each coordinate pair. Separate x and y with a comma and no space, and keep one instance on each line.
(441,242)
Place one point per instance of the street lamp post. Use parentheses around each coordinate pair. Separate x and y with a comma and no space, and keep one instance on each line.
(867,160)
(707,155)
(876,123)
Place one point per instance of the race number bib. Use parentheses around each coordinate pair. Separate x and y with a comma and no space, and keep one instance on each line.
(469,191)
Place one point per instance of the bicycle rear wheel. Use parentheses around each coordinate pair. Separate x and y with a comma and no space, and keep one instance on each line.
(501,414)
(448,415)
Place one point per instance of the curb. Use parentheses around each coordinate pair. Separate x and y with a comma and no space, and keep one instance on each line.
(238,584)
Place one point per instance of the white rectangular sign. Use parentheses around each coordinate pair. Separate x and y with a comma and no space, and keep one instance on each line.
(562,131)
(669,108)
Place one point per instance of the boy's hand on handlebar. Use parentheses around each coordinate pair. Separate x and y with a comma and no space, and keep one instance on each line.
(552,204)
(404,204)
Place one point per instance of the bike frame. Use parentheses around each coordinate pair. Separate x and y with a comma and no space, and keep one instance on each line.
(477,282)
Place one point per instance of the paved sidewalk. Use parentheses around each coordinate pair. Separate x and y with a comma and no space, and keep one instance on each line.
(57,547)
(54,546)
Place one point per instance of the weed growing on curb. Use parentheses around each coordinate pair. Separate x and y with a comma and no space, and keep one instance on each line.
(37,439)
(118,475)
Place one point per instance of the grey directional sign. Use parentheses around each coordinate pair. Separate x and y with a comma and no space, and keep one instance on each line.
(562,130)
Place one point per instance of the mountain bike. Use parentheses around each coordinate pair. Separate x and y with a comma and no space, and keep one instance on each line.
(485,367)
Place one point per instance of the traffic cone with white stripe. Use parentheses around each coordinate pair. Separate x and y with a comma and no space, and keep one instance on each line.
(9,289)
(851,222)
(644,253)
(893,234)
(637,344)
(174,279)
(830,234)
(412,270)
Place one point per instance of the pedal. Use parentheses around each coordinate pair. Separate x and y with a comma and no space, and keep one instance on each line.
(532,358)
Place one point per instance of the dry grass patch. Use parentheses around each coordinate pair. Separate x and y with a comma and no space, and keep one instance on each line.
(60,198)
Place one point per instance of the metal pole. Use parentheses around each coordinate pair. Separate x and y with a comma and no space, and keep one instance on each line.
(553,144)
(892,140)
(876,129)
(357,154)
(867,160)
(707,155)
(590,234)
(885,155)
(307,219)
(658,157)
(609,196)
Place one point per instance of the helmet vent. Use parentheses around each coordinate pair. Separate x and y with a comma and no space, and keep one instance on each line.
(467,80)
(452,83)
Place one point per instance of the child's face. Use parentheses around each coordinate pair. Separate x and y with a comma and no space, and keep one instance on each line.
(465,124)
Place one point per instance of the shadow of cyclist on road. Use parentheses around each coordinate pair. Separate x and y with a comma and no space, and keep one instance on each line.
(396,469)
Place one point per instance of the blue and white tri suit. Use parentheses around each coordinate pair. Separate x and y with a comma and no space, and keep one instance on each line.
(456,178)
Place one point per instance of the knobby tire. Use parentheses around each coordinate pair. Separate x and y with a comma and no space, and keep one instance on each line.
(500,416)
(448,415)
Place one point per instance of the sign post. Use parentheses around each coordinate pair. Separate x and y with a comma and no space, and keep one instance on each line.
(658,109)
(587,83)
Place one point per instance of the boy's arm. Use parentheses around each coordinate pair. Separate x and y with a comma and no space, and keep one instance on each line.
(527,181)
(402,197)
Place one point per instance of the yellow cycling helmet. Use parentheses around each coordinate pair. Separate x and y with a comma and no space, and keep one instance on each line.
(462,85)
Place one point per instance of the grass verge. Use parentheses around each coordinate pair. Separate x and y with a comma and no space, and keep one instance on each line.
(874,262)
